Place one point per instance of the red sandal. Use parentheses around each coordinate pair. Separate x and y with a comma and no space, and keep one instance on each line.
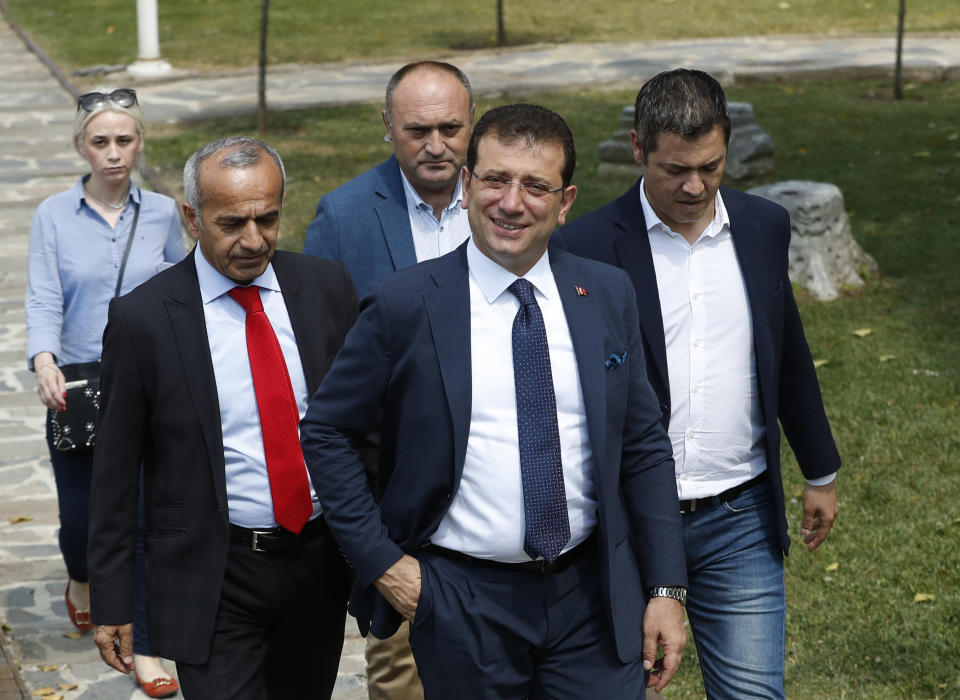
(159,687)
(80,618)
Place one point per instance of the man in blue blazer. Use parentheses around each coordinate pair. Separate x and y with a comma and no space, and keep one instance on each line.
(529,509)
(407,209)
(727,359)
(403,211)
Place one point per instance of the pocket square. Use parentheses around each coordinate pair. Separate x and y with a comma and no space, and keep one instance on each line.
(615,360)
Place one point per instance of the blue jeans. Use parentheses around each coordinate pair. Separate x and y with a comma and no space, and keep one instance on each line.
(737,603)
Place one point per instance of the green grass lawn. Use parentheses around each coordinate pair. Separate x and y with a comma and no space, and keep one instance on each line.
(208,34)
(854,631)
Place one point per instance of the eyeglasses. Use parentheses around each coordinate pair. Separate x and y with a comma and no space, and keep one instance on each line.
(495,183)
(122,97)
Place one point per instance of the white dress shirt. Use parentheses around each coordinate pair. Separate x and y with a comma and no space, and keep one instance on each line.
(485,518)
(716,426)
(248,486)
(433,238)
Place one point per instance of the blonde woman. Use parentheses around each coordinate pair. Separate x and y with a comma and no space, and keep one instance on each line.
(101,237)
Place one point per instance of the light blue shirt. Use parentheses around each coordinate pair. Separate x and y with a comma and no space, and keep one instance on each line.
(74,262)
(248,486)
(432,237)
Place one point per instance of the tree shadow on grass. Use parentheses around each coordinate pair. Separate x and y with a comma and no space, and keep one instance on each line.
(470,39)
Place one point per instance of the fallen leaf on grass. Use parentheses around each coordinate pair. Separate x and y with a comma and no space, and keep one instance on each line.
(47,669)
(833,567)
(862,332)
(922,154)
(887,358)
(111,29)
(784,5)
(67,686)
(73,635)
(922,598)
(953,137)
(20,519)
(44,692)
(820,363)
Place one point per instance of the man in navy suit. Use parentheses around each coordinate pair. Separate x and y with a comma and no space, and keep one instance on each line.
(405,210)
(727,359)
(529,509)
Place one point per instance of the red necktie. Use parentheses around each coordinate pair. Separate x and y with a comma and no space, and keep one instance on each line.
(279,416)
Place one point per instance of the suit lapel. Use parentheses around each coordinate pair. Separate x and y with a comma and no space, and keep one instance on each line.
(391,208)
(185,311)
(298,309)
(587,334)
(448,310)
(634,256)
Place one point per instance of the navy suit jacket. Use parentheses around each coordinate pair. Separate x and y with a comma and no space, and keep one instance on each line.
(364,224)
(159,407)
(409,357)
(617,234)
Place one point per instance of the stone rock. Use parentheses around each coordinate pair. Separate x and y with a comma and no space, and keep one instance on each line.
(824,257)
(750,152)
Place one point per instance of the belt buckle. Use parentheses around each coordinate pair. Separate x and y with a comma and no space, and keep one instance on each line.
(255,539)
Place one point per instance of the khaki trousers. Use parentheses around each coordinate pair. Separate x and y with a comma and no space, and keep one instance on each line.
(391,670)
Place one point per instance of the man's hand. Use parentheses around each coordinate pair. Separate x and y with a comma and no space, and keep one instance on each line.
(115,643)
(663,625)
(819,512)
(400,585)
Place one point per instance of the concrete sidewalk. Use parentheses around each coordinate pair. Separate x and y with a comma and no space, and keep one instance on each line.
(556,67)
(37,160)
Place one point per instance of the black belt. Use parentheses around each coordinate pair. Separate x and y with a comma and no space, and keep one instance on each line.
(276,539)
(692,504)
(539,566)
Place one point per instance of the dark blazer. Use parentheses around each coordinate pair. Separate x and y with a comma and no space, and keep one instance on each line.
(409,355)
(159,405)
(364,224)
(616,234)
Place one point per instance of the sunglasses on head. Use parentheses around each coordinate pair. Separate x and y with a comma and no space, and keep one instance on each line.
(122,97)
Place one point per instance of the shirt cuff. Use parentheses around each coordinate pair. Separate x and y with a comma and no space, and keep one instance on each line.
(823,480)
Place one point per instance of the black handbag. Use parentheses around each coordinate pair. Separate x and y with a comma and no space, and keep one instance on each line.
(75,430)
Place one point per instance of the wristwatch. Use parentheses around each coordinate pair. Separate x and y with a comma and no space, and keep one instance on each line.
(676,592)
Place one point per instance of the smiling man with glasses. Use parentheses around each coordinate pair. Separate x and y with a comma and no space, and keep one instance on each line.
(528,484)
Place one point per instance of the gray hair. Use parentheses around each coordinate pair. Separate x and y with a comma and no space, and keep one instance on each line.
(436,66)
(689,103)
(241,152)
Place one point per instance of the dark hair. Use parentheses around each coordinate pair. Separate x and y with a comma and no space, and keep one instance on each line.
(531,124)
(686,102)
(438,66)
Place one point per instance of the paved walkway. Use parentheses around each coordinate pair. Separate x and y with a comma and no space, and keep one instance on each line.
(557,67)
(36,160)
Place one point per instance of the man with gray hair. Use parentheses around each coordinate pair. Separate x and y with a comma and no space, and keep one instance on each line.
(207,370)
(728,359)
(403,211)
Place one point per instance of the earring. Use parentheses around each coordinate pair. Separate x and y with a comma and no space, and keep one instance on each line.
(386,137)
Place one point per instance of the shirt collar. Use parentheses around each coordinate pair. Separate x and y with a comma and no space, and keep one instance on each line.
(415,201)
(493,279)
(79,197)
(720,218)
(214,285)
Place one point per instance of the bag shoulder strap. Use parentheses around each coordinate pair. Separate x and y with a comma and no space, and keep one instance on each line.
(126,252)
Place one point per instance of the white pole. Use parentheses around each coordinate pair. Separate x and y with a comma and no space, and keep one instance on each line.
(148,63)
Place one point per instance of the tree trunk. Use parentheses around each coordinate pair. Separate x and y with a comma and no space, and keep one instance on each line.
(898,71)
(501,32)
(262,66)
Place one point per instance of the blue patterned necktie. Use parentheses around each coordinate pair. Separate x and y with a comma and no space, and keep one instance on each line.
(544,498)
